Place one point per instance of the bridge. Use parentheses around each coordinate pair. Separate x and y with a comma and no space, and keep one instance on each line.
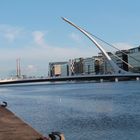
(117,74)
(94,78)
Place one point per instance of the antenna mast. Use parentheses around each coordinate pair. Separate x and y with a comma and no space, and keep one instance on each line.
(18,69)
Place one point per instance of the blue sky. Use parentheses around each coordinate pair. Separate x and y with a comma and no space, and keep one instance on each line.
(33,30)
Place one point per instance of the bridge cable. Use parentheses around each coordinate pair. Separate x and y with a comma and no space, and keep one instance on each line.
(112,46)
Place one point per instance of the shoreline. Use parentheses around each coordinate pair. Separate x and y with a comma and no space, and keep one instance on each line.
(14,128)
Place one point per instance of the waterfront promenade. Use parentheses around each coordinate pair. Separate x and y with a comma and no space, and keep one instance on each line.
(13,128)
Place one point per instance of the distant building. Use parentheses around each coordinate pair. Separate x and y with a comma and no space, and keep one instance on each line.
(58,69)
(134,59)
(123,55)
(81,66)
(76,66)
(71,67)
(105,67)
(89,65)
(120,58)
(97,64)
(65,69)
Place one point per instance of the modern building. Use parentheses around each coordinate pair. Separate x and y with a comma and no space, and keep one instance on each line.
(71,67)
(89,65)
(134,59)
(97,64)
(84,66)
(105,67)
(76,66)
(58,69)
(120,58)
(122,62)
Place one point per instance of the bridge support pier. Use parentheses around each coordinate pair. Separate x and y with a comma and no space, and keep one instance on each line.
(101,80)
(137,78)
(116,80)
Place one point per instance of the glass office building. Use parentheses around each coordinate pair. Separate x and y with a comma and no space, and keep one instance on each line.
(134,59)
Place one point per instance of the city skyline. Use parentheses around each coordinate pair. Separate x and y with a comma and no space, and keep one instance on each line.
(33,31)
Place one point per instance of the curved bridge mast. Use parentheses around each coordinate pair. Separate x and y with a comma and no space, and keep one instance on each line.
(116,69)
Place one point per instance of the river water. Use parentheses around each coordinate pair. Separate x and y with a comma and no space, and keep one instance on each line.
(82,111)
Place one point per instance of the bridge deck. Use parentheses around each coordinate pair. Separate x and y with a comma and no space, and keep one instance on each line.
(120,77)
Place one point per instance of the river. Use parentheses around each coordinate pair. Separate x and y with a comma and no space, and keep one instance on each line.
(82,111)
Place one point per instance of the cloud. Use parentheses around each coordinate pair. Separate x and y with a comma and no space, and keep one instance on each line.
(31,67)
(57,53)
(39,38)
(10,33)
(75,37)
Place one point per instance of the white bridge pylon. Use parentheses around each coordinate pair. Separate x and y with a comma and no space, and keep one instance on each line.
(116,69)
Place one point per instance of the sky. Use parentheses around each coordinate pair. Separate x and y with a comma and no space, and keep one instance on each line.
(33,31)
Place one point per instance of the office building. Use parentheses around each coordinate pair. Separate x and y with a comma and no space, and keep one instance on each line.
(89,65)
(134,59)
(122,62)
(58,69)
(76,66)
